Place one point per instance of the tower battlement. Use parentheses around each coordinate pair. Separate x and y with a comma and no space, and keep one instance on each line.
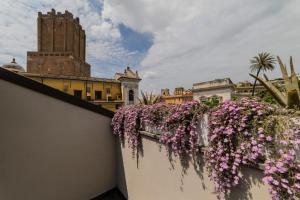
(54,13)
(59,32)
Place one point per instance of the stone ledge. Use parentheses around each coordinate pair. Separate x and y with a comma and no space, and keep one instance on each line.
(148,134)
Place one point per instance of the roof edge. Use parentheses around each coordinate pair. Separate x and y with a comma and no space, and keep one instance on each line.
(231,86)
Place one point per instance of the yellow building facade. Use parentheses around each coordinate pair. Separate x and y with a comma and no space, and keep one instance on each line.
(103,92)
(107,93)
(180,96)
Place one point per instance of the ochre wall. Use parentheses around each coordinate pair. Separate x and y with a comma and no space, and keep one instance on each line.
(176,99)
(152,175)
(50,149)
(68,86)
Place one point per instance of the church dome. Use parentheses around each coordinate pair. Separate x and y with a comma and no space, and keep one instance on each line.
(13,66)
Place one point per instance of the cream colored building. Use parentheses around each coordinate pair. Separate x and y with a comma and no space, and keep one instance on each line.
(245,88)
(222,89)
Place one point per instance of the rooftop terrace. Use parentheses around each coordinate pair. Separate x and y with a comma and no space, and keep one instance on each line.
(55,146)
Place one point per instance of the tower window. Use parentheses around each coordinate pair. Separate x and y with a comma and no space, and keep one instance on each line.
(131,95)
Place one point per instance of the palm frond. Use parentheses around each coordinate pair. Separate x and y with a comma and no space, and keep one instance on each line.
(264,61)
(149,99)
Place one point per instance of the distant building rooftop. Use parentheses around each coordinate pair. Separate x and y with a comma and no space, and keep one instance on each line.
(128,74)
(214,84)
(53,76)
(13,66)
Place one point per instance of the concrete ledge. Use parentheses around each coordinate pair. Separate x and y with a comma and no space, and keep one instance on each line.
(202,148)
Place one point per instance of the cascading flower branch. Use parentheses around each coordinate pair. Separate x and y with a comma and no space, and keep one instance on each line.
(132,124)
(178,124)
(126,123)
(244,132)
(153,115)
(118,122)
(180,130)
(236,137)
(282,168)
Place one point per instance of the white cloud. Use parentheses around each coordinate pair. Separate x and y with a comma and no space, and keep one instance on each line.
(105,30)
(199,40)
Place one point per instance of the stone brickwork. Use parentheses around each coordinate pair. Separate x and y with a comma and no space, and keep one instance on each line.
(61,46)
(58,63)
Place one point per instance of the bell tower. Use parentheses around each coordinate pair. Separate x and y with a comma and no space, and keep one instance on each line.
(129,86)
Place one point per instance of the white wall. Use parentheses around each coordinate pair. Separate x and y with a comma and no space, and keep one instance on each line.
(50,149)
(224,93)
(125,87)
(154,177)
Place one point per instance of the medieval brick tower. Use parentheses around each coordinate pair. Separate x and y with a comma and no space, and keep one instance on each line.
(61,46)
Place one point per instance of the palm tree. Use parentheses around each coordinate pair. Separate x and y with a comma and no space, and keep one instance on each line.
(262,62)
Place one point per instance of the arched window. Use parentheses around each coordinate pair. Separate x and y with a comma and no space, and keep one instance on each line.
(131,95)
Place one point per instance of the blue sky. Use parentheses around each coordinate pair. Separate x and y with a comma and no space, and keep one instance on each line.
(171,43)
(135,41)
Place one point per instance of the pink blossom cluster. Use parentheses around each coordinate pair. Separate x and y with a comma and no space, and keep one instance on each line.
(153,115)
(132,124)
(118,122)
(241,132)
(180,130)
(282,169)
(235,138)
(178,124)
(126,123)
